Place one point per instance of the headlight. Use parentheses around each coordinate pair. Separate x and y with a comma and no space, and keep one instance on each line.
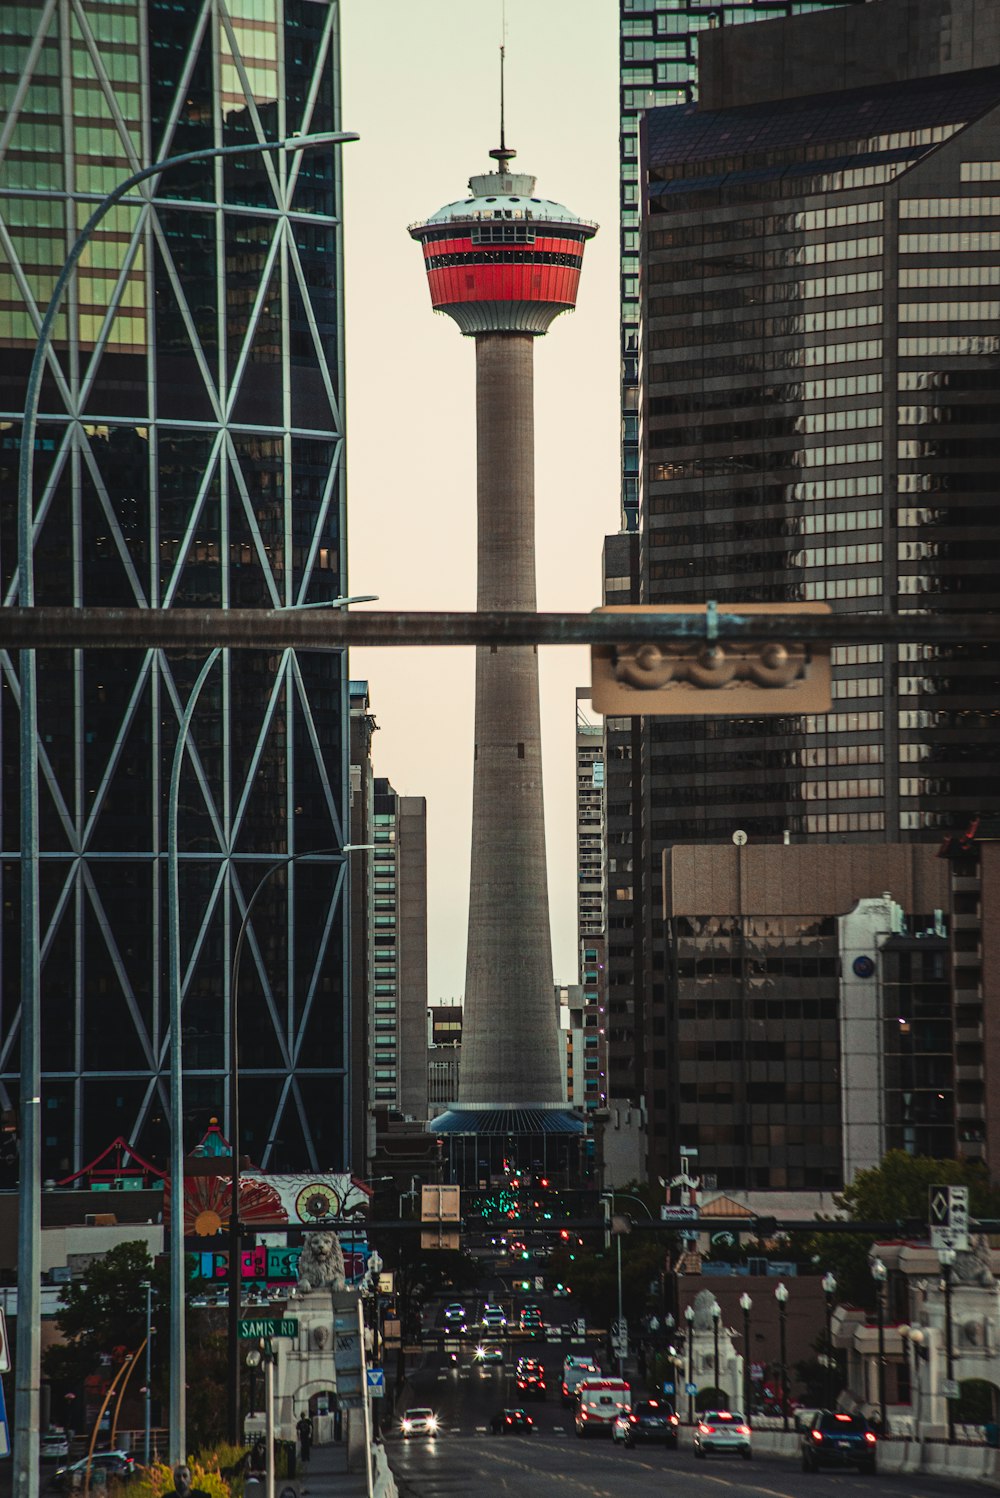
(432,1422)
(407,1425)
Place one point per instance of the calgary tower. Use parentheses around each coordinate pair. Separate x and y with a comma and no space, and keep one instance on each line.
(503,264)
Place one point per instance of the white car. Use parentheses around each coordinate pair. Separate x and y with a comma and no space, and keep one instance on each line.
(493,1317)
(53,1445)
(723,1431)
(454,1316)
(419,1423)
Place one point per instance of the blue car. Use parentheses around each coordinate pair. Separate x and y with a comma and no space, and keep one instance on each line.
(834,1439)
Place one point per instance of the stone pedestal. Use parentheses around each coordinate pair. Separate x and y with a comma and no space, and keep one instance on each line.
(306,1363)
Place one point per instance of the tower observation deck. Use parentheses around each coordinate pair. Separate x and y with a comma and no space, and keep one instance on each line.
(503,263)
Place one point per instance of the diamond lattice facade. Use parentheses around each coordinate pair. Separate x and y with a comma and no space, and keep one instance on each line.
(189,454)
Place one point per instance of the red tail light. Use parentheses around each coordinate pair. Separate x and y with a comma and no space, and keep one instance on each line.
(508,1421)
(675,1419)
(633,1419)
(743,1430)
(817,1435)
(870,1437)
(706,1430)
(583,1415)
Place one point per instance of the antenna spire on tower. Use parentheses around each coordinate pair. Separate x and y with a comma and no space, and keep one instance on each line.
(501,155)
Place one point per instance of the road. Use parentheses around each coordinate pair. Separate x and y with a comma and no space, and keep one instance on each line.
(465,1461)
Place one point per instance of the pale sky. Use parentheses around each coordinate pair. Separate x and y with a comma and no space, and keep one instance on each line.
(421,88)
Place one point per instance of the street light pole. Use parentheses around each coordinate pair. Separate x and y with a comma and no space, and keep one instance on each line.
(879,1275)
(716,1318)
(781,1296)
(28,1376)
(946,1258)
(148,1393)
(234,1117)
(689,1318)
(829,1290)
(745,1304)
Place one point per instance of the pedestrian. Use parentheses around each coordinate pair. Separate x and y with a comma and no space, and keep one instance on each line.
(305,1434)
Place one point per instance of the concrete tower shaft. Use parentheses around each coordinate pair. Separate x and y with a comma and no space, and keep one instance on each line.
(510,1040)
(503,263)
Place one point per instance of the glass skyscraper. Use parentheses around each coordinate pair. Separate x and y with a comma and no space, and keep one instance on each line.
(819,364)
(658,65)
(189,454)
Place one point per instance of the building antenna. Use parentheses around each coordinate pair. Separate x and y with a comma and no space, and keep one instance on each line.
(502,155)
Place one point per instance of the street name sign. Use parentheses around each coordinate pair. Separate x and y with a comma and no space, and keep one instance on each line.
(269,1326)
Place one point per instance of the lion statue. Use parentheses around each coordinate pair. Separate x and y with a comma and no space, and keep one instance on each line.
(321,1265)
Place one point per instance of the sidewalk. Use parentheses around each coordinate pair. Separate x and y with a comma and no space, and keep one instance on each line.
(325,1475)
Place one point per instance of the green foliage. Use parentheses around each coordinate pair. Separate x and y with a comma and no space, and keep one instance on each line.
(104,1312)
(157,1480)
(894,1192)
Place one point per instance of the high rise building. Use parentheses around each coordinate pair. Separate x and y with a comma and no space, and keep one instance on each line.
(819,350)
(591,930)
(503,263)
(658,65)
(189,453)
(398,990)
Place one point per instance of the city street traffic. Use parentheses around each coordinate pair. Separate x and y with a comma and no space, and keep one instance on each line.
(552,1462)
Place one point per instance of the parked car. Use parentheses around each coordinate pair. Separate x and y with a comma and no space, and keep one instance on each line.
(834,1439)
(512,1422)
(117,1466)
(724,1431)
(53,1445)
(419,1422)
(648,1420)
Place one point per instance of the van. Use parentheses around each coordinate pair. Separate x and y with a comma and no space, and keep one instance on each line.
(599,1402)
(575,1370)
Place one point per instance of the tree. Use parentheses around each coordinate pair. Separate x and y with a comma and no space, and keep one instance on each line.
(103,1315)
(894,1192)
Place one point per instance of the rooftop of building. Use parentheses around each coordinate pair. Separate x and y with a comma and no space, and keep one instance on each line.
(859,118)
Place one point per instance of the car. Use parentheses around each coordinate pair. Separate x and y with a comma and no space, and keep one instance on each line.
(834,1439)
(648,1420)
(599,1403)
(418,1422)
(512,1422)
(562,1290)
(531,1320)
(723,1431)
(493,1317)
(118,1466)
(575,1370)
(530,1377)
(53,1445)
(455,1316)
(488,1352)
